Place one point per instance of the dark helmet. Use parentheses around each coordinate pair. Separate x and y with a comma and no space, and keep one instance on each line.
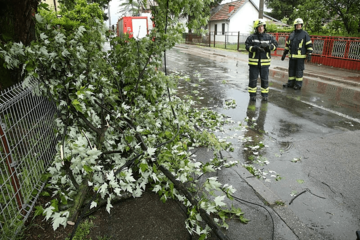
(298,21)
(259,23)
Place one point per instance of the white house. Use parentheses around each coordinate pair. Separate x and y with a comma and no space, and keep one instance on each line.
(236,16)
(53,4)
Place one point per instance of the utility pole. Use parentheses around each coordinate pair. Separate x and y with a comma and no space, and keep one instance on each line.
(109,16)
(55,7)
(261,9)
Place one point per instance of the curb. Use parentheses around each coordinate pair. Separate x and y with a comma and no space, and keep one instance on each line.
(284,212)
(280,72)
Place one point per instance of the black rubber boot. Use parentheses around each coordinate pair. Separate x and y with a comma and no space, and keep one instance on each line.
(289,84)
(296,87)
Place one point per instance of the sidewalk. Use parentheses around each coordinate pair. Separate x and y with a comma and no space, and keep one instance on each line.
(279,69)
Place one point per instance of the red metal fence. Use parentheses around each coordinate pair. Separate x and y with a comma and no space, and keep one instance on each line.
(339,52)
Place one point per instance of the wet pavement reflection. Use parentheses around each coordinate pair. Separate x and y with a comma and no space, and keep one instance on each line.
(265,134)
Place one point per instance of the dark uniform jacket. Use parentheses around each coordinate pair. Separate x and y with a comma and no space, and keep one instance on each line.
(298,44)
(257,57)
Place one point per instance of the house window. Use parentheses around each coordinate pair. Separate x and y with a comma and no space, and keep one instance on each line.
(215,29)
(223,29)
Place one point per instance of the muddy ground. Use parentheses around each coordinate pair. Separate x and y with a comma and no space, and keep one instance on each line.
(137,218)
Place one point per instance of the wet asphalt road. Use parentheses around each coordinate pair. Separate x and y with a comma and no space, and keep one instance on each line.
(311,136)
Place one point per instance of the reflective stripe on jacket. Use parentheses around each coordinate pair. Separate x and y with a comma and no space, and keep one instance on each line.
(262,58)
(299,44)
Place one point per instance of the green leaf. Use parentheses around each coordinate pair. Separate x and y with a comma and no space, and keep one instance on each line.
(129,139)
(29,67)
(202,237)
(155,169)
(44,6)
(300,181)
(55,204)
(243,219)
(39,211)
(63,199)
(87,168)
(45,194)
(143,167)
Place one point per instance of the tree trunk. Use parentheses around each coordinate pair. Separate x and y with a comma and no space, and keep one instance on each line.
(78,202)
(16,25)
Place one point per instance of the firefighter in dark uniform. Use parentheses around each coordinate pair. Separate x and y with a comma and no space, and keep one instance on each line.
(259,46)
(299,47)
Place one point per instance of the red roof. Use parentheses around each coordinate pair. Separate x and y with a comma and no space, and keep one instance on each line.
(221,12)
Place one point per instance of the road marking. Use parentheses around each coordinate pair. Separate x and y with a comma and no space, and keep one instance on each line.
(332,111)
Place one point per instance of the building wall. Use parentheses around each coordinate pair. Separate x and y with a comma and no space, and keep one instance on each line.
(51,4)
(243,20)
(219,26)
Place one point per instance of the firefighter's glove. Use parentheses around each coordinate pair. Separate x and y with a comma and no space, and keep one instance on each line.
(283,56)
(265,46)
(308,57)
(258,49)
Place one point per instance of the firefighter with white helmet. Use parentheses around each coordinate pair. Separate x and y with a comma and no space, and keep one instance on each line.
(259,45)
(299,47)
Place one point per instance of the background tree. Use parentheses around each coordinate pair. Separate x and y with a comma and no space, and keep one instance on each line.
(129,8)
(16,24)
(70,4)
(339,16)
(313,14)
(283,8)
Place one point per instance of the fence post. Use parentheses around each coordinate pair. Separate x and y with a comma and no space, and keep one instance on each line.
(209,39)
(238,42)
(347,48)
(225,40)
(214,37)
(11,167)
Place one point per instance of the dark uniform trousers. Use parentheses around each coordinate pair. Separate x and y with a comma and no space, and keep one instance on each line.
(254,72)
(296,71)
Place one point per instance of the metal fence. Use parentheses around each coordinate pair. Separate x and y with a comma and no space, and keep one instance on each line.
(27,148)
(340,52)
(226,40)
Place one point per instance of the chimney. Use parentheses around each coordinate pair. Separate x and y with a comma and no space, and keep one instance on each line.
(231,8)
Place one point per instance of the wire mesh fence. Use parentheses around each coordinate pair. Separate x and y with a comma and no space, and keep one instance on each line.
(27,148)
(226,40)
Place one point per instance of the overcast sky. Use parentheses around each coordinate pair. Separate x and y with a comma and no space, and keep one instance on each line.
(114,9)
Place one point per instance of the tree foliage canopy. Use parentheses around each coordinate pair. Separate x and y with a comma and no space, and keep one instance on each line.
(339,16)
(283,8)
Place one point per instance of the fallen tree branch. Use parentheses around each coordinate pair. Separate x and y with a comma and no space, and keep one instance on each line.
(180,186)
(100,204)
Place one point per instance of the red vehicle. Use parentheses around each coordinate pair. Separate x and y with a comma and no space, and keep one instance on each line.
(136,27)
